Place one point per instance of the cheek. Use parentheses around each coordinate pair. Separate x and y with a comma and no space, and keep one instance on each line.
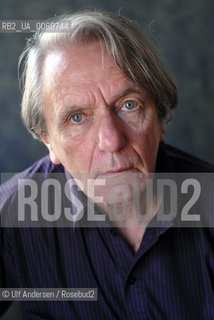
(145,139)
(76,154)
(144,133)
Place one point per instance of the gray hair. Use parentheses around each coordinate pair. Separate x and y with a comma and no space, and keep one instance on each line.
(125,41)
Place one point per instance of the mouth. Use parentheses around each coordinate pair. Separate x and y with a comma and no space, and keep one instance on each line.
(118,171)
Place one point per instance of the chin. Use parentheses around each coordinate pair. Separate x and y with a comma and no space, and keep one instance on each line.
(119,189)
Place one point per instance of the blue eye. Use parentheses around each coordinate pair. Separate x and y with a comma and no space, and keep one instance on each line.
(129,104)
(77,117)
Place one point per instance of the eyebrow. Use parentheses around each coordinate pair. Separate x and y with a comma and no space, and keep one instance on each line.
(64,113)
(127,91)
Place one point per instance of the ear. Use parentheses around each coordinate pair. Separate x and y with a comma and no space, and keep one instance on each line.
(162,131)
(53,156)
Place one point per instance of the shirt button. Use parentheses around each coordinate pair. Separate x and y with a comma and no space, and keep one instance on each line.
(113,232)
(132,280)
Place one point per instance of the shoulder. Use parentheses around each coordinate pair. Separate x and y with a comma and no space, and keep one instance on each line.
(185,162)
(9,185)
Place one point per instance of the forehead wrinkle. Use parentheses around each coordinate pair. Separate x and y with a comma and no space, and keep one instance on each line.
(75,96)
(104,84)
(92,98)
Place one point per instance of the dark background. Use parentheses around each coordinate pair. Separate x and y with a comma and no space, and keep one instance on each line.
(183,31)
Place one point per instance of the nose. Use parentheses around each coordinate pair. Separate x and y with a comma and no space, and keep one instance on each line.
(111,135)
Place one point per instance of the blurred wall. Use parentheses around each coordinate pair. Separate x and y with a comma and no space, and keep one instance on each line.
(183,31)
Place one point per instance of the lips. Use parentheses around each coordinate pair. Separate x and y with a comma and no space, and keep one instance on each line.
(118,171)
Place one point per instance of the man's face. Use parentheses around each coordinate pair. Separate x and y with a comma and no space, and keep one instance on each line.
(100,124)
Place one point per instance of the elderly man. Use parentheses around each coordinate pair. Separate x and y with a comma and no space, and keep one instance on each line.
(97,95)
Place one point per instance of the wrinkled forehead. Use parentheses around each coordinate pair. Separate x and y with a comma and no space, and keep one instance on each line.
(81,67)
